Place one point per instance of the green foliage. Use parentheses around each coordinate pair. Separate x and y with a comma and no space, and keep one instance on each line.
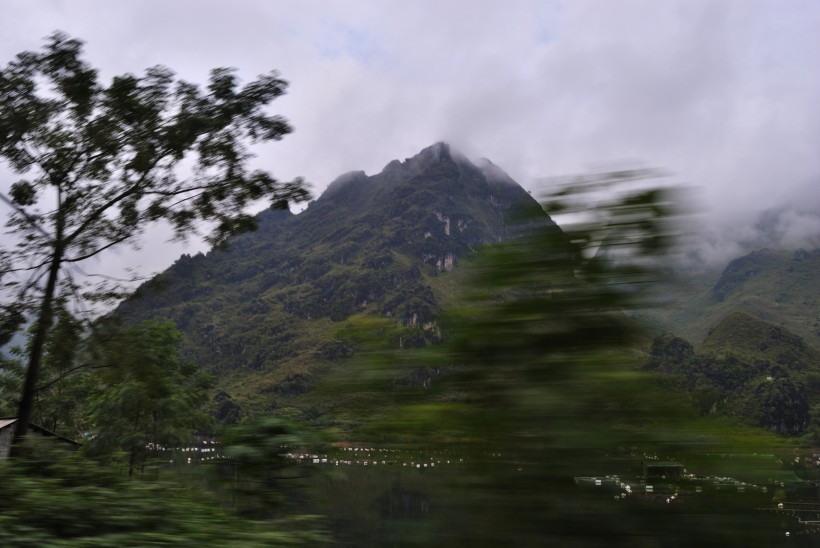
(752,338)
(58,499)
(103,163)
(261,471)
(111,154)
(148,400)
(142,402)
(11,379)
(11,319)
(65,380)
(539,366)
(546,310)
(748,369)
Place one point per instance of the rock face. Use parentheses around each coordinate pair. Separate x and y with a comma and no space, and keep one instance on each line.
(370,244)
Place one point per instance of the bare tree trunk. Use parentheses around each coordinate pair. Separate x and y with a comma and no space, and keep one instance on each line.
(36,356)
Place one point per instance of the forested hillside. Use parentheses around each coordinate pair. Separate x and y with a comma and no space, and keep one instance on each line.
(748,369)
(778,286)
(744,341)
(263,314)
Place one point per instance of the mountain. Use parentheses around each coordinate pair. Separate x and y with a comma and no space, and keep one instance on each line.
(746,368)
(754,329)
(778,286)
(263,315)
(747,336)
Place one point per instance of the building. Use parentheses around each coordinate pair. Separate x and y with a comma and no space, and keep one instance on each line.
(8,425)
(662,470)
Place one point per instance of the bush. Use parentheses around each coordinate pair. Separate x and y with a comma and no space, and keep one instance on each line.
(54,498)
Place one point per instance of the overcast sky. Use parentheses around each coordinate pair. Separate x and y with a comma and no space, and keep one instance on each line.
(724,94)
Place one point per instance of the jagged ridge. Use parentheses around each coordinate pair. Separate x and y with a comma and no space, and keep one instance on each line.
(268,307)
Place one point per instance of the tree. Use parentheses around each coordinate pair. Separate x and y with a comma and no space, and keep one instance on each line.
(57,498)
(259,469)
(544,353)
(545,313)
(148,399)
(538,372)
(103,163)
(64,379)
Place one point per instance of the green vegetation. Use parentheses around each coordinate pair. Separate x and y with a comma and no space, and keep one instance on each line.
(131,483)
(52,498)
(102,164)
(64,383)
(777,286)
(267,315)
(537,366)
(145,398)
(749,369)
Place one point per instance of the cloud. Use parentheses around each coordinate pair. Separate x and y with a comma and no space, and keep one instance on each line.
(722,94)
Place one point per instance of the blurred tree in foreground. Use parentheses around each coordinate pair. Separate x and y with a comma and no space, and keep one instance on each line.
(60,499)
(103,163)
(142,405)
(262,468)
(547,314)
(541,365)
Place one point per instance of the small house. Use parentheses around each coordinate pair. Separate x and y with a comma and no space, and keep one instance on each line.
(662,470)
(8,426)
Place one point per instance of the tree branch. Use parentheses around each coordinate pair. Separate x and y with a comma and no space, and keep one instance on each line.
(71,371)
(28,268)
(97,213)
(98,250)
(33,222)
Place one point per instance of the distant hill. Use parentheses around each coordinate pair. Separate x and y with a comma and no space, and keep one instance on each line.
(746,368)
(747,336)
(777,286)
(263,314)
(754,329)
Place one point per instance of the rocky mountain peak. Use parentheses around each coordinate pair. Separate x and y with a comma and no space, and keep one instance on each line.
(428,158)
(438,152)
(494,173)
(377,245)
(350,178)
